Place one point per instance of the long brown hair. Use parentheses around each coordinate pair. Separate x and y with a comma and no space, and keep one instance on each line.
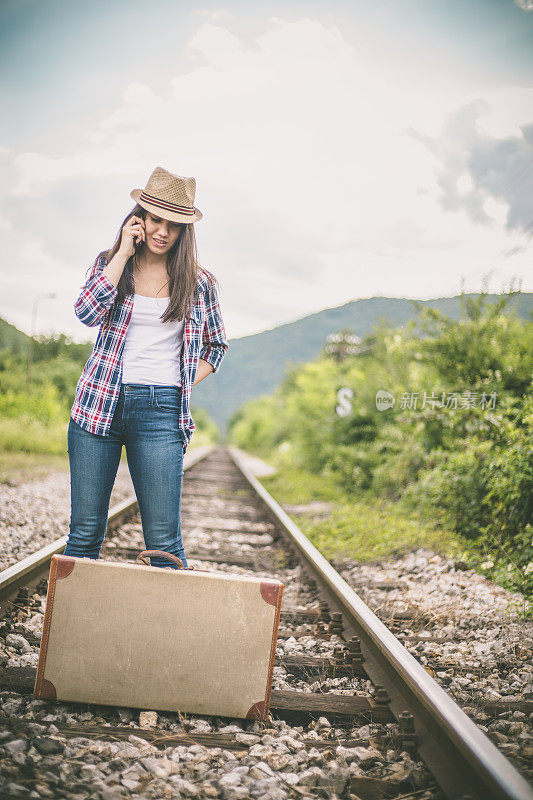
(183,270)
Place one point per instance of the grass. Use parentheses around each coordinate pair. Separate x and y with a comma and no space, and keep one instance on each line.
(21,466)
(17,468)
(362,528)
(291,485)
(371,531)
(25,434)
(368,528)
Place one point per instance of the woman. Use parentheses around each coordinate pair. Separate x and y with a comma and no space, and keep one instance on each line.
(161,332)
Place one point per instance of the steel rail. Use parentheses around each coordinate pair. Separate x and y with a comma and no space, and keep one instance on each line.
(462,758)
(31,569)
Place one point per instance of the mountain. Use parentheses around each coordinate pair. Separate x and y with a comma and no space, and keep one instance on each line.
(12,339)
(255,364)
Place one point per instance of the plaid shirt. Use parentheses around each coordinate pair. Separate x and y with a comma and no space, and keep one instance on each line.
(98,387)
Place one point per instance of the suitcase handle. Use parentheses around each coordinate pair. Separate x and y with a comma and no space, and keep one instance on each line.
(143,558)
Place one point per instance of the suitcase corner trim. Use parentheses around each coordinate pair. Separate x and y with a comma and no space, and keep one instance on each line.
(271,591)
(43,688)
(274,589)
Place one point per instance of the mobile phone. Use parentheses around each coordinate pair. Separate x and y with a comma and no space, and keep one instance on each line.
(139,241)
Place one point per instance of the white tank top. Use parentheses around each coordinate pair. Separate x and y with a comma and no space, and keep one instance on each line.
(152,349)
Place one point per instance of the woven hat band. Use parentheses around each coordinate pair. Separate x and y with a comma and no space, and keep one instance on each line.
(167,205)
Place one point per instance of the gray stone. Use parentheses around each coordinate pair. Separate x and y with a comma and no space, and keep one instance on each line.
(209,789)
(315,757)
(112,792)
(259,750)
(16,746)
(291,778)
(231,729)
(277,761)
(18,643)
(235,792)
(367,756)
(231,778)
(291,744)
(134,772)
(35,729)
(47,746)
(335,778)
(186,788)
(148,719)
(160,767)
(15,790)
(12,705)
(347,753)
(130,784)
(266,789)
(310,777)
(202,726)
(260,770)
(247,738)
(42,790)
(89,772)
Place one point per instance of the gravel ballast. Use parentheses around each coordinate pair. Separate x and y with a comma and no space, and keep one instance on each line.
(36,513)
(465,630)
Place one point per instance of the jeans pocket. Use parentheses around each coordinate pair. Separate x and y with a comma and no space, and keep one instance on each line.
(167,402)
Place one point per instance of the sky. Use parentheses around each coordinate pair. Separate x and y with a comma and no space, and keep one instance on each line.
(341,150)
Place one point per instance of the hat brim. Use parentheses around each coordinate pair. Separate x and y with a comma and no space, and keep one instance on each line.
(162,212)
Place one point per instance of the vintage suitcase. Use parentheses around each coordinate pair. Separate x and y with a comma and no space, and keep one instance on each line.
(129,634)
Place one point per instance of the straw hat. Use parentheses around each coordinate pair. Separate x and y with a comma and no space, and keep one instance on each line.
(169,196)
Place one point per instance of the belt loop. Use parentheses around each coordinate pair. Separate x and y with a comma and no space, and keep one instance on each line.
(151,394)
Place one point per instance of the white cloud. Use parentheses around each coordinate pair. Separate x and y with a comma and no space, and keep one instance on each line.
(312,189)
(497,169)
(497,211)
(28,271)
(464,183)
(214,14)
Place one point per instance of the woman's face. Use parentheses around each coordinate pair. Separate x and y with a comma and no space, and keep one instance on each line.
(161,234)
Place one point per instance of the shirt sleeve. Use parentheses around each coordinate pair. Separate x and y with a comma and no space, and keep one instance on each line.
(97,295)
(214,342)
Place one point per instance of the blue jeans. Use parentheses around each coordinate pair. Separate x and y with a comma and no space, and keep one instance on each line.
(146,422)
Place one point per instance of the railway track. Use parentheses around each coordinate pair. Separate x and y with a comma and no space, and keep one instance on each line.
(353,714)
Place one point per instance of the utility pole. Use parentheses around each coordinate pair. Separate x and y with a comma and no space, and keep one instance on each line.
(341,344)
(32,337)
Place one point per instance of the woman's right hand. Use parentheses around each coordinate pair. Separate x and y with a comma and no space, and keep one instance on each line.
(133,231)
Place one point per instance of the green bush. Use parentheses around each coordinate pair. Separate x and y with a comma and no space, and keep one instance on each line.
(34,414)
(399,470)
(457,486)
(468,469)
(27,434)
